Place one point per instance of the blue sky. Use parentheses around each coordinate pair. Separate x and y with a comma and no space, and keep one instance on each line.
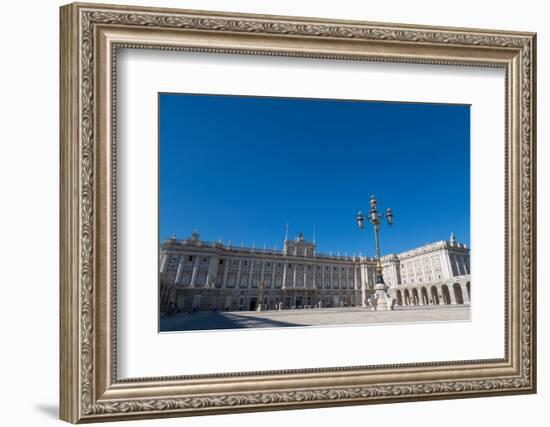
(240,168)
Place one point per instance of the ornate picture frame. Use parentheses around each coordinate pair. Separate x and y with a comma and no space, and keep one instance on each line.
(90,37)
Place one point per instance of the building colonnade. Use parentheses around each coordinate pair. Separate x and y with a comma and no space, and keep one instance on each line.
(450,292)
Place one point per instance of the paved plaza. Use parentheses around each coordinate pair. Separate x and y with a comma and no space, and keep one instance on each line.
(208,320)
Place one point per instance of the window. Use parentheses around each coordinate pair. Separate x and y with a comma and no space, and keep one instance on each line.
(204,258)
(245,263)
(221,261)
(190,258)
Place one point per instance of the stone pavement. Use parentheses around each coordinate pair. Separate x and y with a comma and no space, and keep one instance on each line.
(206,320)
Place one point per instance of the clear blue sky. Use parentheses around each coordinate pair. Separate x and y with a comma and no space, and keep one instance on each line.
(240,168)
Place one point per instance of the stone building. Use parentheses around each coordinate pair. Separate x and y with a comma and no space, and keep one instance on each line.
(436,273)
(211,275)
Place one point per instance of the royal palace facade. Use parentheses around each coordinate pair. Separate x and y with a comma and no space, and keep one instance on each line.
(200,275)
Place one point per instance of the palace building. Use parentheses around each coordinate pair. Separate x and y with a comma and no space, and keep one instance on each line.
(200,275)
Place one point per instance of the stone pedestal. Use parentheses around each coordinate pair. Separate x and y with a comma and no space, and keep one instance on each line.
(382,303)
(260,307)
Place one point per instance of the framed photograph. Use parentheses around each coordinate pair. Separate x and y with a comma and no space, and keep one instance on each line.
(265,213)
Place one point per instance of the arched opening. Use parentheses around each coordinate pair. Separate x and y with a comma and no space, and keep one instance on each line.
(407,297)
(434,295)
(425,298)
(415,298)
(399,298)
(445,294)
(457,289)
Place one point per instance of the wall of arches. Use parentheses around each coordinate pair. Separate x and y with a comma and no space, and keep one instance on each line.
(456,292)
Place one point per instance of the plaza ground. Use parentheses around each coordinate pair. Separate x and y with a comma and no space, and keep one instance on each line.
(208,320)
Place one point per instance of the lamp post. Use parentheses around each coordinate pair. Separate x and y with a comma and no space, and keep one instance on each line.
(261,297)
(380,287)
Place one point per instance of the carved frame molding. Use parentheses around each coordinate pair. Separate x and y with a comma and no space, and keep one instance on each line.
(90,37)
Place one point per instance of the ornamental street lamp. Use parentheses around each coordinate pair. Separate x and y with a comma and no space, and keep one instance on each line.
(380,287)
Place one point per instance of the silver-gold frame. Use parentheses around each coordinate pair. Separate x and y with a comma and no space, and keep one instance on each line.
(90,37)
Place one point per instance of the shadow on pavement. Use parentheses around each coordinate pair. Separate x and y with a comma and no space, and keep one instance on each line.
(217,320)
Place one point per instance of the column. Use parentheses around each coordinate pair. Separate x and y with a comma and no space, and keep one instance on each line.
(250,274)
(423,270)
(457,263)
(196,260)
(294,273)
(225,272)
(440,295)
(322,276)
(239,269)
(356,288)
(164,262)
(305,276)
(284,275)
(452,294)
(432,269)
(212,270)
(262,274)
(273,275)
(447,262)
(180,270)
(465,295)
